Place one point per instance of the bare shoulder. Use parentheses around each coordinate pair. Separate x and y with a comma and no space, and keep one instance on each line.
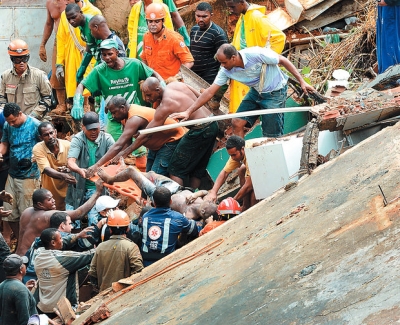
(27,214)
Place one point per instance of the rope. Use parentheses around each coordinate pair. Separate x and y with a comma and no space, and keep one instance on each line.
(170,267)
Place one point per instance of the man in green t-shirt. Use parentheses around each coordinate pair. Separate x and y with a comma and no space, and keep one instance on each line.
(114,76)
(77,19)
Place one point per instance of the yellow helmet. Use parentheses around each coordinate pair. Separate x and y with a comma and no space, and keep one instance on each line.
(155,11)
(18,47)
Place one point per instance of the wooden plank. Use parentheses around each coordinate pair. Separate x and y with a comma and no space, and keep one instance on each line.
(318,9)
(338,11)
(66,311)
(307,4)
(281,19)
(294,9)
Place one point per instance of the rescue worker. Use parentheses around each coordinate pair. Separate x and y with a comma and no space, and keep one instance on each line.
(137,26)
(117,258)
(227,209)
(164,50)
(162,226)
(27,86)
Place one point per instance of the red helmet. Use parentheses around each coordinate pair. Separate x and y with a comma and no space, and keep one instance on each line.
(18,47)
(229,206)
(118,218)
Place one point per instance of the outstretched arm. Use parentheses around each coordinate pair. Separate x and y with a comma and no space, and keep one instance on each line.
(47,30)
(292,69)
(203,99)
(245,189)
(131,128)
(85,208)
(212,195)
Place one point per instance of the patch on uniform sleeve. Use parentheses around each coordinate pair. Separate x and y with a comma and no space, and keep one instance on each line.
(154,232)
(182,44)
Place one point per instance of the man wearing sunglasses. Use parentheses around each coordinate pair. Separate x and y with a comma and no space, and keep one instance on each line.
(25,85)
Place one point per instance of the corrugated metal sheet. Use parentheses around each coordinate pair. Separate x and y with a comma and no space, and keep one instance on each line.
(25,21)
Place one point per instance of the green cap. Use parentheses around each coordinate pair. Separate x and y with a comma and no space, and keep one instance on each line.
(108,43)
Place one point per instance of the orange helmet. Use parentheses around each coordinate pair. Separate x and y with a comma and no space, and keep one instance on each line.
(155,11)
(118,218)
(18,47)
(229,206)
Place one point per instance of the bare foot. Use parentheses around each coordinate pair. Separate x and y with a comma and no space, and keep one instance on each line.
(122,165)
(104,176)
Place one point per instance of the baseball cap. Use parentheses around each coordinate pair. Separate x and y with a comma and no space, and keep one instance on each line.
(105,202)
(91,120)
(108,43)
(13,262)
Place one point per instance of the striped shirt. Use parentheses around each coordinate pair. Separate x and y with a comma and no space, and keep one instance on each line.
(203,46)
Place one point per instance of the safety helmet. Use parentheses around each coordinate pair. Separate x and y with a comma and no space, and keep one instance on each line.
(18,47)
(155,11)
(118,218)
(229,206)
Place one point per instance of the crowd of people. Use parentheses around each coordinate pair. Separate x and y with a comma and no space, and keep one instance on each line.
(112,93)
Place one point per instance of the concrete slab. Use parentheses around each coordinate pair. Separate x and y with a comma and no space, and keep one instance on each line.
(325,252)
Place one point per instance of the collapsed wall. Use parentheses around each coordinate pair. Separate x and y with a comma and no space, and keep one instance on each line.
(324,252)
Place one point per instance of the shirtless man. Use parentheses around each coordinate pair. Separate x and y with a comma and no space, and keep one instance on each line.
(190,204)
(135,118)
(193,152)
(54,10)
(37,218)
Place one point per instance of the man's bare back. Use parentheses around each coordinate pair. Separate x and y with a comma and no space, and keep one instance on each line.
(178,97)
(32,223)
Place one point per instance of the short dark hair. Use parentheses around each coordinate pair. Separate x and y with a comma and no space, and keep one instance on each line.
(72,7)
(44,125)
(57,219)
(118,231)
(204,6)
(162,197)
(228,50)
(118,101)
(235,141)
(47,236)
(11,108)
(39,195)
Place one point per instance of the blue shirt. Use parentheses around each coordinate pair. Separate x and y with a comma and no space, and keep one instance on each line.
(253,59)
(21,141)
(161,228)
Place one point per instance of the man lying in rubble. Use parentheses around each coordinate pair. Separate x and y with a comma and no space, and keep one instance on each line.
(190,204)
(259,69)
(37,218)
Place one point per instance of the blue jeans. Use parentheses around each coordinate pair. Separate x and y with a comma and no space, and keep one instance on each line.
(93,215)
(158,161)
(271,124)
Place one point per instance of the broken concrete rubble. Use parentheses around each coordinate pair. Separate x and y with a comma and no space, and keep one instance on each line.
(332,263)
